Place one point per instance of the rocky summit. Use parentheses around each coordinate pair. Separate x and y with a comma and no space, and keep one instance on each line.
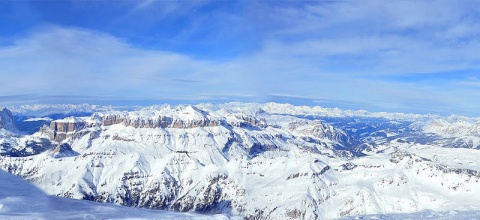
(7,121)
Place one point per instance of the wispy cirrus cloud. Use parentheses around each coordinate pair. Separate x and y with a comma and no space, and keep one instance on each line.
(473,82)
(375,37)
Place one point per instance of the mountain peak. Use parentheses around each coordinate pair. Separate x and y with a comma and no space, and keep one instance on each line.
(7,121)
(6,111)
(191,113)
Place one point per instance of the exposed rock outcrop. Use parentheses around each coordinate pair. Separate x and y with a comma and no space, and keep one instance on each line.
(249,121)
(6,120)
(159,122)
(64,150)
(61,129)
(320,130)
(188,117)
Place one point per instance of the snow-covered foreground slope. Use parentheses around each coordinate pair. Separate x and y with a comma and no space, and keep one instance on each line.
(427,214)
(267,161)
(21,200)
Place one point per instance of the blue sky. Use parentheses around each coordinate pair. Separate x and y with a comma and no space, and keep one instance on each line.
(401,56)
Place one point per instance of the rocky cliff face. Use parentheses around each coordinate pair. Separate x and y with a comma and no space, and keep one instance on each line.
(61,129)
(188,117)
(159,122)
(7,121)
(63,150)
(248,121)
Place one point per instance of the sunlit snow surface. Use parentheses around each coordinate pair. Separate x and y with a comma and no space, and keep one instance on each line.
(450,215)
(21,200)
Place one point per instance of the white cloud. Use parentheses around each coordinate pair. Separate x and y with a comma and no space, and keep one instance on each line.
(473,82)
(153,11)
(400,37)
(76,61)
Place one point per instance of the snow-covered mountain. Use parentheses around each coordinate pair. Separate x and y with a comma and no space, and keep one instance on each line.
(456,131)
(260,161)
(21,200)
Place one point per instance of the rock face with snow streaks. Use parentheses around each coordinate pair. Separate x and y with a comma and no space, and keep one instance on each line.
(7,121)
(61,129)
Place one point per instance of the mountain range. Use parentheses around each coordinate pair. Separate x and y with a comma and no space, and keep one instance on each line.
(258,161)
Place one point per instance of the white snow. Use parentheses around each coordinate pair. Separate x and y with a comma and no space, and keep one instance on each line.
(21,200)
(71,119)
(427,214)
(38,119)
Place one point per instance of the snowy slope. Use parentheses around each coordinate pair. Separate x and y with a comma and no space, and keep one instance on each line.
(427,214)
(21,200)
(268,161)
